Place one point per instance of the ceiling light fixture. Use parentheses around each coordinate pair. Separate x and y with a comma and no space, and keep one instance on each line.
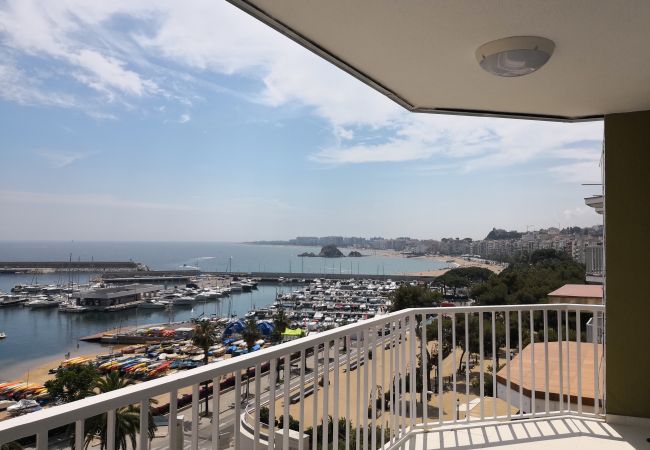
(515,56)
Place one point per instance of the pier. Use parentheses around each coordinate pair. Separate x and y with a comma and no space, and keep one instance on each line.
(150,276)
(64,266)
(278,277)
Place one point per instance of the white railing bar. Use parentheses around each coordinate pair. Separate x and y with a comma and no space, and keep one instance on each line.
(335,392)
(521,363)
(533,395)
(481,368)
(467,351)
(326,394)
(383,384)
(579,358)
(508,384)
(216,400)
(494,364)
(285,399)
(453,363)
(42,440)
(403,375)
(546,365)
(238,402)
(393,382)
(258,392)
(301,424)
(366,392)
(195,417)
(425,370)
(173,413)
(273,371)
(373,390)
(144,425)
(561,364)
(501,418)
(413,384)
(568,362)
(348,347)
(440,374)
(79,438)
(360,358)
(595,333)
(316,386)
(110,430)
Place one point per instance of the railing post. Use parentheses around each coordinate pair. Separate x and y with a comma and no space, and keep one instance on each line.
(110,430)
(79,437)
(144,425)
(216,397)
(195,417)
(579,358)
(481,368)
(172,426)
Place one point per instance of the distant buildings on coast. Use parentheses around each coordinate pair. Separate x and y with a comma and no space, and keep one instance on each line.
(585,245)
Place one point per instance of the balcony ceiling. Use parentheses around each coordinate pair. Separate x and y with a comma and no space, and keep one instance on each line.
(421,53)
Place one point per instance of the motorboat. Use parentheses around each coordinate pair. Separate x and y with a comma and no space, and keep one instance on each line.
(152,304)
(24,406)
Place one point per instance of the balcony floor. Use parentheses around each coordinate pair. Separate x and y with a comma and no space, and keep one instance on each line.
(559,433)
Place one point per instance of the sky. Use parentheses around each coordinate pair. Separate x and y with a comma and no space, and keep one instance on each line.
(192,121)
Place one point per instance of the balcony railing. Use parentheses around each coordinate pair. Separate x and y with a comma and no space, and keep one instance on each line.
(363,373)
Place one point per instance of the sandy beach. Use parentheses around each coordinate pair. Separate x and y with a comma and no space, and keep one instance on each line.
(457,261)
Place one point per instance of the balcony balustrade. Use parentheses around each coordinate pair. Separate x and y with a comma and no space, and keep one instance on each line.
(363,374)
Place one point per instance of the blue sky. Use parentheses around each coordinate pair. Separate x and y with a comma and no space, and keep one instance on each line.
(167,120)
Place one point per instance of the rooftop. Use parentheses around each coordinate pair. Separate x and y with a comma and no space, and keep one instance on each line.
(578,291)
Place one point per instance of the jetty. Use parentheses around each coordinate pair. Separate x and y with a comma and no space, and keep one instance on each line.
(13,267)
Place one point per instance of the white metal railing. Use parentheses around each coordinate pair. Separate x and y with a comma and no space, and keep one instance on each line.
(385,351)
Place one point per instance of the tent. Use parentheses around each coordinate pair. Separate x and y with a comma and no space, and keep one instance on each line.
(266,328)
(235,327)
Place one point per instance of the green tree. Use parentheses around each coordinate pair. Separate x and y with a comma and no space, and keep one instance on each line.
(73,383)
(11,446)
(127,418)
(407,296)
(250,334)
(205,336)
(280,323)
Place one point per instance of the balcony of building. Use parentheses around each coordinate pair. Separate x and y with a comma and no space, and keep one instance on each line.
(550,389)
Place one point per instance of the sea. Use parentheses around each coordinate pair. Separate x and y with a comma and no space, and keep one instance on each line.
(35,336)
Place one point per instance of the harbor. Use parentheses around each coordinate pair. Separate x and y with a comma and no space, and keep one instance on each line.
(147,351)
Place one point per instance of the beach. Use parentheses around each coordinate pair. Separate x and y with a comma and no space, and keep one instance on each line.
(457,262)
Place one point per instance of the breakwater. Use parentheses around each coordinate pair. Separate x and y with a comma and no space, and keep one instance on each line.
(64,266)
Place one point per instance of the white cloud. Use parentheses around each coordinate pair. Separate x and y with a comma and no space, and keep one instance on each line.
(207,37)
(59,159)
(16,86)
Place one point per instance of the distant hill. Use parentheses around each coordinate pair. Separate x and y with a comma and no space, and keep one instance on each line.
(498,234)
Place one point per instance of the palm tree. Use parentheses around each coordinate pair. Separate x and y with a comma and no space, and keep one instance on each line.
(127,418)
(280,323)
(205,337)
(250,334)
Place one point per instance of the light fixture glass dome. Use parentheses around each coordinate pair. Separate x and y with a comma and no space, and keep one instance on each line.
(515,56)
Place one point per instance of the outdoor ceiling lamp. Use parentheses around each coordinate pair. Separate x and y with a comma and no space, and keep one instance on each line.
(515,56)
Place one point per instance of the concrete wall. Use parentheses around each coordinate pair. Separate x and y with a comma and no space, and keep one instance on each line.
(627,228)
